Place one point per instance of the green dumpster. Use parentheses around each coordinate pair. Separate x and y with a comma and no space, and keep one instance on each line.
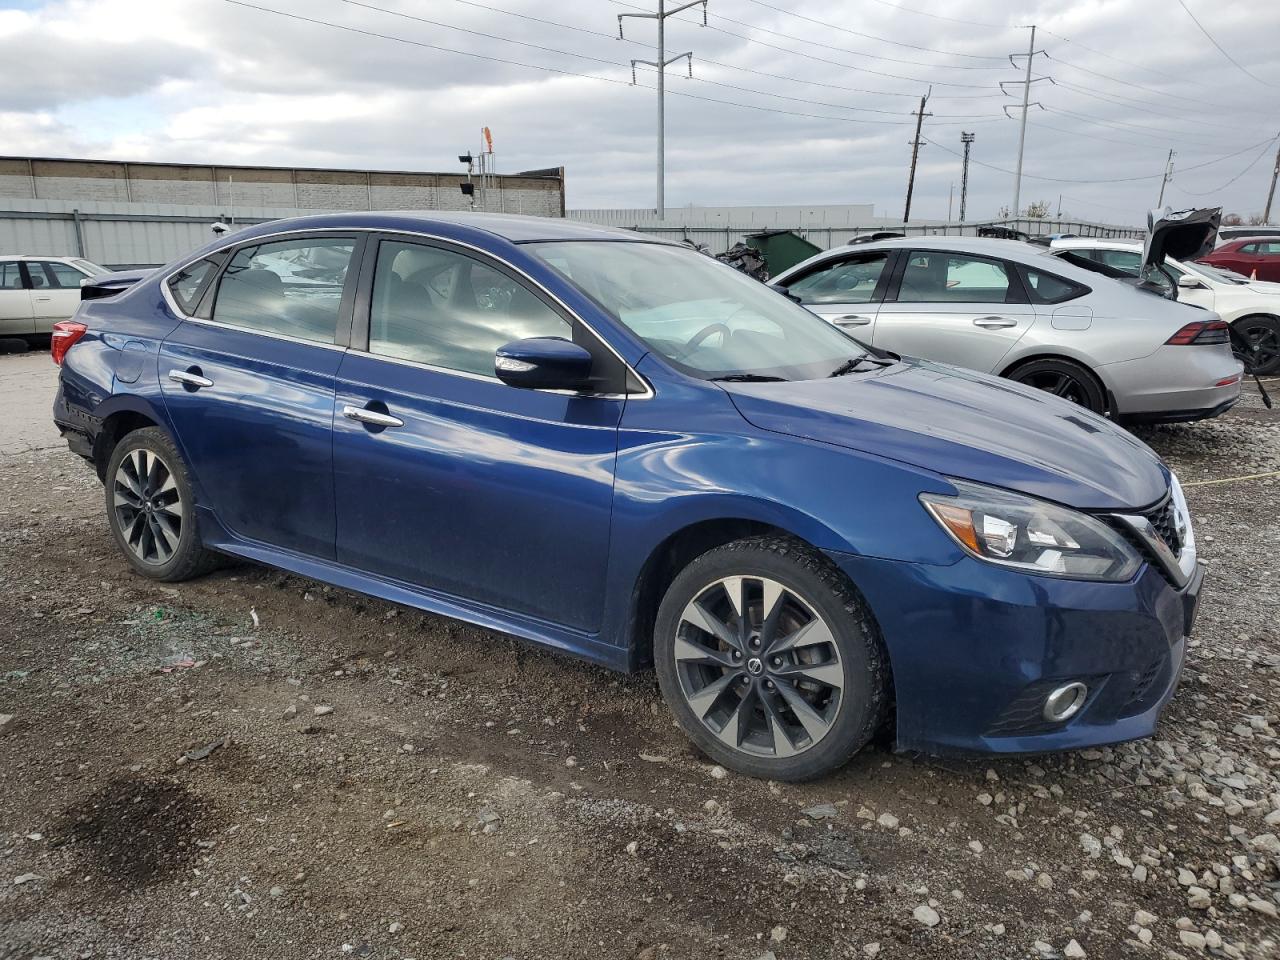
(782,249)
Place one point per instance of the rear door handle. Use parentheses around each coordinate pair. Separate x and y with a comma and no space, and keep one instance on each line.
(190,378)
(994,323)
(371,417)
(43,299)
(851,320)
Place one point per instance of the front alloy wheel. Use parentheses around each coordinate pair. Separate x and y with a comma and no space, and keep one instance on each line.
(770,660)
(758,667)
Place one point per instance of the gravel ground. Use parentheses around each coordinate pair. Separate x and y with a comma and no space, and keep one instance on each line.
(254,765)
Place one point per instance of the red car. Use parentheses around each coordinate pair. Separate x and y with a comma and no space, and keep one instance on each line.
(1257,257)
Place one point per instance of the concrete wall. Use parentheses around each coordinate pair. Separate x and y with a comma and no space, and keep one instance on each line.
(145,214)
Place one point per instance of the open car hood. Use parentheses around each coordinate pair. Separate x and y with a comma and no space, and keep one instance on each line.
(1182,235)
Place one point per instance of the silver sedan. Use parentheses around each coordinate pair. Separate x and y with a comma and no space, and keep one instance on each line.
(1004,307)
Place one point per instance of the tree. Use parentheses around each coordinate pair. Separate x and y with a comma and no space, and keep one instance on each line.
(1038,210)
(1256,219)
(1232,220)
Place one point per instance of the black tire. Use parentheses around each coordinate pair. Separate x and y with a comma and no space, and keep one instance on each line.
(854,658)
(1262,333)
(176,552)
(1065,379)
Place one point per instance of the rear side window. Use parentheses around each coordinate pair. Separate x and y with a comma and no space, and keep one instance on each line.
(290,288)
(849,281)
(934,277)
(186,284)
(10,276)
(1049,288)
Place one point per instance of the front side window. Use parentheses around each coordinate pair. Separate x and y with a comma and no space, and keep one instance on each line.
(61,276)
(290,288)
(849,281)
(1250,248)
(446,309)
(185,285)
(933,277)
(703,317)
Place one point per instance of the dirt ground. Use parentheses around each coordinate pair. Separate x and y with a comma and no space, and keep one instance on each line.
(387,784)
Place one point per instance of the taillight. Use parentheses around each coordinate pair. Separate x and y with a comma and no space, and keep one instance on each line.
(1201,332)
(65,335)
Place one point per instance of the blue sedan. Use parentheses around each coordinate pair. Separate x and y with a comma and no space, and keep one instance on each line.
(623,450)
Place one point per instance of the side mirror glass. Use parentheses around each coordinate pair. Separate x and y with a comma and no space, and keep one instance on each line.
(543,363)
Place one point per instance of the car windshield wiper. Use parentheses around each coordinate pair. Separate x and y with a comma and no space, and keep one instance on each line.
(747,378)
(852,364)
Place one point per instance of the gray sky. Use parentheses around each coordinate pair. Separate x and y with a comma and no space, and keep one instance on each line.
(830,85)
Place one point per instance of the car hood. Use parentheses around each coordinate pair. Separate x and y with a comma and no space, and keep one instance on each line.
(966,425)
(1179,235)
(1265,287)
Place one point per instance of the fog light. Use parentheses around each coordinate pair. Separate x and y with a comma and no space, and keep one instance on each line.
(1065,702)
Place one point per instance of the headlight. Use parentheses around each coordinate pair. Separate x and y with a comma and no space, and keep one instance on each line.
(1017,531)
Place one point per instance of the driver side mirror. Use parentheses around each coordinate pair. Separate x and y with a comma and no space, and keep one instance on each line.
(779,288)
(543,363)
(1188,282)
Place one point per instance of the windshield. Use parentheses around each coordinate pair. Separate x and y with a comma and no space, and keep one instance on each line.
(704,317)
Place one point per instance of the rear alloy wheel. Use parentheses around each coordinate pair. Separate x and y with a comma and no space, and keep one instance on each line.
(151,510)
(1063,379)
(769,661)
(1263,335)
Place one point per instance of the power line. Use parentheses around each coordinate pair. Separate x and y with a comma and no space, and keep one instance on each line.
(871,36)
(1155,176)
(547,69)
(1120,100)
(1160,134)
(1266,148)
(1238,65)
(1128,83)
(615,63)
(835,63)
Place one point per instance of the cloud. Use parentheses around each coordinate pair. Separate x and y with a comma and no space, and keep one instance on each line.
(777,111)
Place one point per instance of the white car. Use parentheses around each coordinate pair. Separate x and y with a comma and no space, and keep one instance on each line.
(1252,307)
(37,292)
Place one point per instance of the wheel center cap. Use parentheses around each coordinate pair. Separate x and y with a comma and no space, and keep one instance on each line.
(755,666)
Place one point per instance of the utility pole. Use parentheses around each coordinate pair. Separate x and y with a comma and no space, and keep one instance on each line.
(967,140)
(1271,194)
(1164,181)
(1022,129)
(661,65)
(915,154)
(951,195)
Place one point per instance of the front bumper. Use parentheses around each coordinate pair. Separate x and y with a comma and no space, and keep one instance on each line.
(975,649)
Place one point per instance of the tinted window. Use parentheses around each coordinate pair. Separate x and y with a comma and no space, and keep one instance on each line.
(1047,288)
(10,276)
(849,281)
(1129,261)
(291,288)
(449,310)
(1270,249)
(185,285)
(932,277)
(1250,248)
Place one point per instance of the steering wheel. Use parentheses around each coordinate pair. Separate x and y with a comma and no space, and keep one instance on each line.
(696,340)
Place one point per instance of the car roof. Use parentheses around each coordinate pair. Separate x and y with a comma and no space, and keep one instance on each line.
(10,257)
(513,227)
(1261,238)
(1095,243)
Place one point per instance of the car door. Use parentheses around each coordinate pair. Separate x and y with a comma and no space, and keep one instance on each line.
(846,291)
(447,478)
(16,315)
(248,383)
(955,307)
(55,292)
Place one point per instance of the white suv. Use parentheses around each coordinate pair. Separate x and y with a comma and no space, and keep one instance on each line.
(1252,307)
(37,292)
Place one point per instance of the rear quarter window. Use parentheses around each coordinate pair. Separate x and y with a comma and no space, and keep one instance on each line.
(1045,287)
(186,284)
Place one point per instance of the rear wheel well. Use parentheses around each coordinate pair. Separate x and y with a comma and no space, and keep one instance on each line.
(114,429)
(667,560)
(1008,372)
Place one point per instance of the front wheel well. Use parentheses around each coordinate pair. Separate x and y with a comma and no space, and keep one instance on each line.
(114,429)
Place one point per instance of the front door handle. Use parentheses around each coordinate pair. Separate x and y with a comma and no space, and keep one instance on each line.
(994,323)
(371,417)
(43,299)
(851,320)
(190,378)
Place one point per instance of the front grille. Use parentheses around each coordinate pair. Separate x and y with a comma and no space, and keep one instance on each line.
(1164,519)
